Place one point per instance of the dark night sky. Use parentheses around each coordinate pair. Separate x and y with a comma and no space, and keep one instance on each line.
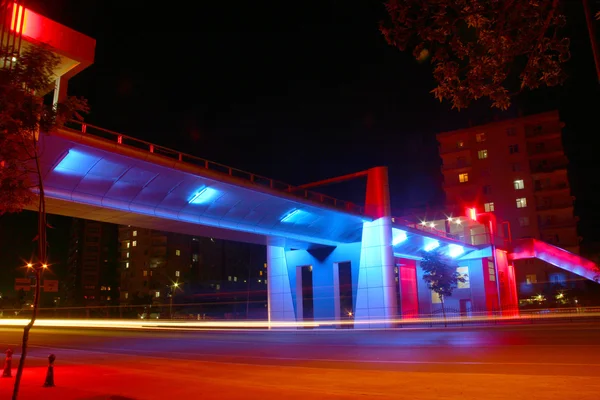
(299,91)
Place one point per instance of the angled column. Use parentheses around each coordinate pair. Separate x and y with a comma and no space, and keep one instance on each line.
(280,305)
(376,293)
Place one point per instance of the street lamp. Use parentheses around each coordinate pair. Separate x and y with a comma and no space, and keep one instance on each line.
(172,288)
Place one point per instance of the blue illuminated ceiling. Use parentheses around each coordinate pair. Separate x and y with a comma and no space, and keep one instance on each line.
(84,180)
(89,178)
(410,243)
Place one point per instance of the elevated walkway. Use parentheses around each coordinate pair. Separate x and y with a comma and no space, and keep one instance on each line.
(533,248)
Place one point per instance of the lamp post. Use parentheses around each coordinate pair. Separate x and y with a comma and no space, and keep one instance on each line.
(172,289)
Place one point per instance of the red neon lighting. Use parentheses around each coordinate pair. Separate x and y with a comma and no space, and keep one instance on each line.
(533,248)
(17,17)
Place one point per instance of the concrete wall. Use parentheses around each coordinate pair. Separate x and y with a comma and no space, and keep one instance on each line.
(325,291)
(474,291)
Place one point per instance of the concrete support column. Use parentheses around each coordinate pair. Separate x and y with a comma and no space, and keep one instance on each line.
(279,300)
(376,293)
(60,89)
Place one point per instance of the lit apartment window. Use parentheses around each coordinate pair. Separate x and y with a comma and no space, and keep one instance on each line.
(463,272)
(460,144)
(126,295)
(512,131)
(265,281)
(531,279)
(177,273)
(218,286)
(157,294)
(128,244)
(145,273)
(462,178)
(481,154)
(235,278)
(519,184)
(524,221)
(489,207)
(480,137)
(195,258)
(127,255)
(177,252)
(260,273)
(522,202)
(108,298)
(513,148)
(134,243)
(491,271)
(265,265)
(229,278)
(127,264)
(108,288)
(134,233)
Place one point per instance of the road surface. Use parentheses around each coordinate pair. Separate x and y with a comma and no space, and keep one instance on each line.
(517,362)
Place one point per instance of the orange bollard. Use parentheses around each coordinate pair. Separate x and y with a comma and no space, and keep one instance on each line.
(8,364)
(50,374)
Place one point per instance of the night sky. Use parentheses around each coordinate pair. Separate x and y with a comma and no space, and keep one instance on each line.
(299,91)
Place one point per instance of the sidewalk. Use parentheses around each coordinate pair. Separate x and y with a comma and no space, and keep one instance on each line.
(147,379)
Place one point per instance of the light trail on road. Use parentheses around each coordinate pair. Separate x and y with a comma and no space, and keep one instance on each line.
(158,324)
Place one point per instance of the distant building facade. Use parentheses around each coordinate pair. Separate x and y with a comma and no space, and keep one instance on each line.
(155,265)
(91,265)
(517,170)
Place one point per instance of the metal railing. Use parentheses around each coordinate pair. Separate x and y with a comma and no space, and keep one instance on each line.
(472,240)
(212,166)
(425,228)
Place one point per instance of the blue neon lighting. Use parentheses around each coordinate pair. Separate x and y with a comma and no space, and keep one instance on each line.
(431,244)
(290,217)
(203,196)
(399,236)
(75,163)
(455,250)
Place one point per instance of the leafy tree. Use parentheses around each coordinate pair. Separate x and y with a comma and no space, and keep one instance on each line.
(482,49)
(24,80)
(440,275)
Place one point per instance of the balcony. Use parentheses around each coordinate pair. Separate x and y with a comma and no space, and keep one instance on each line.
(539,133)
(455,183)
(545,152)
(542,168)
(555,223)
(447,148)
(456,165)
(563,204)
(539,187)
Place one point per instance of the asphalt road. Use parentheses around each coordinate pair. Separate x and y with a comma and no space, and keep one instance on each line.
(528,362)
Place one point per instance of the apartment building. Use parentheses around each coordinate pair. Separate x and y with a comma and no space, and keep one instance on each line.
(517,170)
(153,262)
(91,264)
